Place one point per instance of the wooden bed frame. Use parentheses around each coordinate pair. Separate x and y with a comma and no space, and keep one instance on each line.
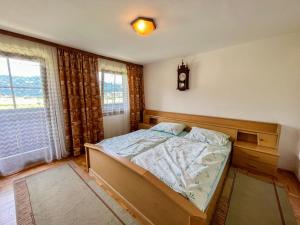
(152,200)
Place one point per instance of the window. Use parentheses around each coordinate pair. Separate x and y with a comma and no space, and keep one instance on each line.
(113,92)
(20,83)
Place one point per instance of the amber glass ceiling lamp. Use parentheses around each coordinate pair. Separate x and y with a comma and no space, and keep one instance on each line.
(143,25)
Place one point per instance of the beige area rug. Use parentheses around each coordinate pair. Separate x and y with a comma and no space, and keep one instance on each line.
(249,201)
(61,196)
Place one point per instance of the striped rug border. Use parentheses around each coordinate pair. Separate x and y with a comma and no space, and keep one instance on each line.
(221,211)
(24,212)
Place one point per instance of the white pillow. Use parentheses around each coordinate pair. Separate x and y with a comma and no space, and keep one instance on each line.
(172,128)
(207,136)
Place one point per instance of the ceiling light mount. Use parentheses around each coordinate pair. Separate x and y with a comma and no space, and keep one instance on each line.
(143,25)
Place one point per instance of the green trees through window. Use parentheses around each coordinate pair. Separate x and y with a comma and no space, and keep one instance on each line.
(112,92)
(21,84)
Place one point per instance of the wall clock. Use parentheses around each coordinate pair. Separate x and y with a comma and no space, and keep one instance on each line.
(183,77)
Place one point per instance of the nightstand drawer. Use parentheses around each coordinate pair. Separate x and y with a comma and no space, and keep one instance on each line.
(242,153)
(254,165)
(255,160)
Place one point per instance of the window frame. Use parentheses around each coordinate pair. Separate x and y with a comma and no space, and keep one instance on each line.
(101,80)
(41,61)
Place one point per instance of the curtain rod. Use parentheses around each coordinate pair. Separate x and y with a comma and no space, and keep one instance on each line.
(41,41)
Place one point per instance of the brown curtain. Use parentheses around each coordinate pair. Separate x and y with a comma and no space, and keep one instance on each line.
(136,95)
(78,75)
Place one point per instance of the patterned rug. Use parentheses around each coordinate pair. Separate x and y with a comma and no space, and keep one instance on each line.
(63,196)
(246,200)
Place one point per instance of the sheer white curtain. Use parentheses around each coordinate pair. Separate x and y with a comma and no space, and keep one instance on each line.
(29,133)
(115,98)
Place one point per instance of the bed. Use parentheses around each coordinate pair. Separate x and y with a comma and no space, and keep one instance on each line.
(146,193)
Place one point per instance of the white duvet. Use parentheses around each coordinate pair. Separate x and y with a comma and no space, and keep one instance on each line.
(134,143)
(189,167)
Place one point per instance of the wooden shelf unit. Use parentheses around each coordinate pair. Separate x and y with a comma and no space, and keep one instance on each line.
(257,151)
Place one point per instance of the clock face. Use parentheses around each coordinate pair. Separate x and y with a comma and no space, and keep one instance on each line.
(182,76)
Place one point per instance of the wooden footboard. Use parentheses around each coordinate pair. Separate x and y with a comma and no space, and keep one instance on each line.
(150,198)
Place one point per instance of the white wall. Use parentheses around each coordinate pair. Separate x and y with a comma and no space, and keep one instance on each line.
(256,81)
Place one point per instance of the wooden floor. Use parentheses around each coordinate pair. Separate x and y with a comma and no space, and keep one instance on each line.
(7,203)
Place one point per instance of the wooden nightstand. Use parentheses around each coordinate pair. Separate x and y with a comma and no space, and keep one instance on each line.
(256,151)
(254,157)
(145,125)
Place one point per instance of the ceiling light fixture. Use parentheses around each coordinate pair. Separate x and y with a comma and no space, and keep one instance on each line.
(143,25)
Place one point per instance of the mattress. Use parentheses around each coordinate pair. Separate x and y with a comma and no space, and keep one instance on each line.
(134,143)
(188,167)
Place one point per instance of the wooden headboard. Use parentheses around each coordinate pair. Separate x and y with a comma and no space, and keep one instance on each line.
(241,130)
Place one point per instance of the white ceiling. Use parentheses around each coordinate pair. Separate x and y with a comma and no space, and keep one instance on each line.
(184,26)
